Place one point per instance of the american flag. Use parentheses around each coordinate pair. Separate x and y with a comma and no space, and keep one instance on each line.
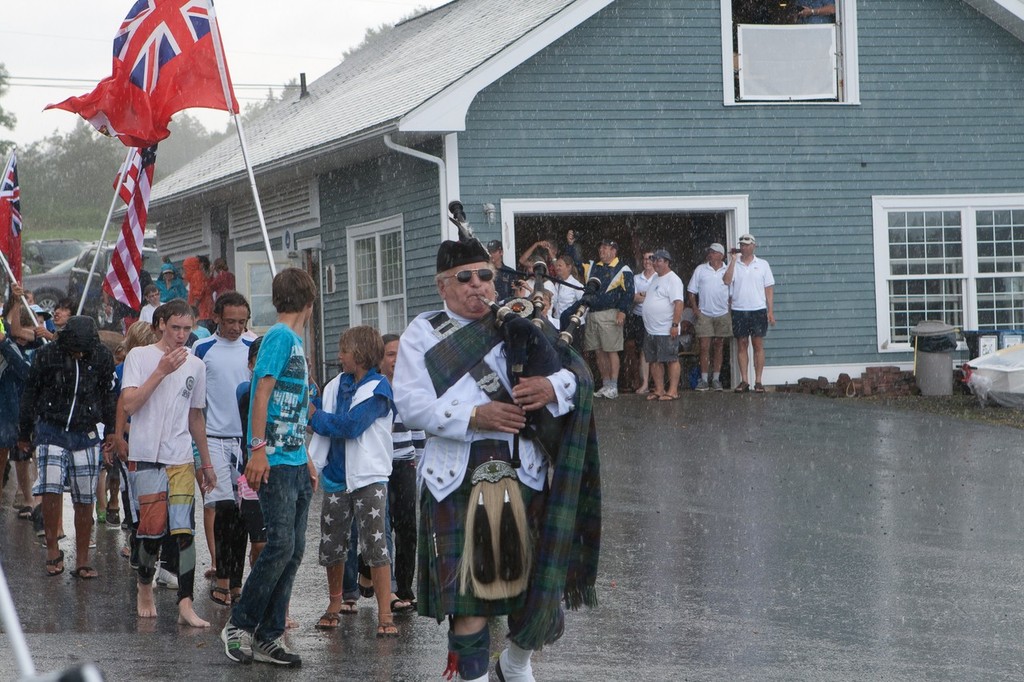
(133,185)
(10,205)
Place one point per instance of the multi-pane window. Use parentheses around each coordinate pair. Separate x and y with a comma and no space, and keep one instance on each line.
(377,267)
(955,259)
(1000,237)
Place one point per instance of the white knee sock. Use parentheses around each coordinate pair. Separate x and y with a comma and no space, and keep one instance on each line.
(515,664)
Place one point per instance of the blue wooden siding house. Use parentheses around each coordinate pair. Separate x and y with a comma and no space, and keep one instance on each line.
(877,159)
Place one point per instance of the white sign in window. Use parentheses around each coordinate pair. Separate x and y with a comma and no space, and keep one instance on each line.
(787,62)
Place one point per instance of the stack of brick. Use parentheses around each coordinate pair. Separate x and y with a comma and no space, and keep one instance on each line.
(886,381)
(874,381)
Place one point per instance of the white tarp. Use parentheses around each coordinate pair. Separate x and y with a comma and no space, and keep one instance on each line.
(787,62)
(999,376)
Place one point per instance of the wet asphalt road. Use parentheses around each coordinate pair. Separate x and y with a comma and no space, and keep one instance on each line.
(777,537)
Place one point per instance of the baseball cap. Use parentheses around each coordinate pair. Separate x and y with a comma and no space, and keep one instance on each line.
(662,253)
(495,245)
(610,242)
(747,239)
(39,310)
(717,247)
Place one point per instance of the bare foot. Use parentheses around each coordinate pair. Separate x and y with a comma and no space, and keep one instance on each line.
(187,615)
(290,623)
(145,603)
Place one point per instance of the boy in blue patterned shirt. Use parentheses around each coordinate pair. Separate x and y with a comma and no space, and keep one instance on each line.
(280,472)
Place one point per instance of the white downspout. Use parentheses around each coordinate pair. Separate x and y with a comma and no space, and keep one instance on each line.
(442,184)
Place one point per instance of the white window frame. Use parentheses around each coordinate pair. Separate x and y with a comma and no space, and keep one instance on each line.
(247,263)
(968,205)
(376,228)
(847,58)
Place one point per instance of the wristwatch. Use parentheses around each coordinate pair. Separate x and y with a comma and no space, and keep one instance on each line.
(256,443)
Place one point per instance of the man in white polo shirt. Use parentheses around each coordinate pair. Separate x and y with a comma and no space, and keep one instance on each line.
(709,300)
(751,285)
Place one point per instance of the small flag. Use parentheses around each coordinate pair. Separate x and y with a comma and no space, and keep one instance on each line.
(135,179)
(10,216)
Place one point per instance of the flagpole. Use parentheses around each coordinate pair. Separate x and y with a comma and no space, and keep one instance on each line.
(24,299)
(7,266)
(222,69)
(103,234)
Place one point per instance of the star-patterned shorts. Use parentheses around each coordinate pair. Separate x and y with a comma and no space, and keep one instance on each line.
(368,505)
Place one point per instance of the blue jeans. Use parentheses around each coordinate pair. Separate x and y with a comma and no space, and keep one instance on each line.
(263,606)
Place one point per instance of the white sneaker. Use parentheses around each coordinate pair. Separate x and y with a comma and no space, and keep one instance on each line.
(165,578)
(601,392)
(611,393)
(716,385)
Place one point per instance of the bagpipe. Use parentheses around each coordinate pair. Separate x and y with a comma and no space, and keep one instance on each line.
(533,347)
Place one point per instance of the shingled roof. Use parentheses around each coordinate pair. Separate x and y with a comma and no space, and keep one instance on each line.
(372,89)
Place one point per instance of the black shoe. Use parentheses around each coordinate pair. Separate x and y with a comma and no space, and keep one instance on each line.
(275,652)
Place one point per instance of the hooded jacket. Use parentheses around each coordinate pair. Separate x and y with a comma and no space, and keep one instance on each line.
(176,289)
(68,393)
(199,294)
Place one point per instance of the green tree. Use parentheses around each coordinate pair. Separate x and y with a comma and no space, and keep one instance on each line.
(67,178)
(7,120)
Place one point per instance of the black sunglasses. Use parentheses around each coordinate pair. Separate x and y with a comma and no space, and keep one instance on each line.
(464,276)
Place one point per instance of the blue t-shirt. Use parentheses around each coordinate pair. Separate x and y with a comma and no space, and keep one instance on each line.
(281,356)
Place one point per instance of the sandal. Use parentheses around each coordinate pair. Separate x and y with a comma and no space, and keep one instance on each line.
(758,388)
(387,629)
(743,387)
(85,573)
(349,608)
(669,396)
(113,517)
(366,591)
(52,563)
(654,396)
(220,596)
(331,620)
(401,606)
(25,513)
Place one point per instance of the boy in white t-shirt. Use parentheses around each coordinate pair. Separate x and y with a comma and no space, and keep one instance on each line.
(164,392)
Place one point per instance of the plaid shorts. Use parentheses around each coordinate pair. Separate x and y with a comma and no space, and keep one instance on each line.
(77,468)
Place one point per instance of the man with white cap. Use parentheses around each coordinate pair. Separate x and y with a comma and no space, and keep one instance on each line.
(709,300)
(752,287)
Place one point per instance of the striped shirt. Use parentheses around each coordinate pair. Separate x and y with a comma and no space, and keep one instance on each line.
(408,443)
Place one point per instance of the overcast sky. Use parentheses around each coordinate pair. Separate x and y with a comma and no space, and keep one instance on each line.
(56,49)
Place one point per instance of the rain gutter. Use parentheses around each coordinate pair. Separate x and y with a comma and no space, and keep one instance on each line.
(442,171)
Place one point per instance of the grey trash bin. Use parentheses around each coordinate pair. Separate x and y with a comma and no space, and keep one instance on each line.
(935,342)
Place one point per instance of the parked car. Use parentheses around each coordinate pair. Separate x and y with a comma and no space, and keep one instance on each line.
(51,286)
(39,255)
(96,304)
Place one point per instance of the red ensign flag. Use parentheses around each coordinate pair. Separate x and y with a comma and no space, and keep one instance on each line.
(164,61)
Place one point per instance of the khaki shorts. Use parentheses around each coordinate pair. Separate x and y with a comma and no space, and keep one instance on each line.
(720,327)
(602,332)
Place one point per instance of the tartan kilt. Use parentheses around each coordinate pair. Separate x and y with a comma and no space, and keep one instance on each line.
(442,534)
